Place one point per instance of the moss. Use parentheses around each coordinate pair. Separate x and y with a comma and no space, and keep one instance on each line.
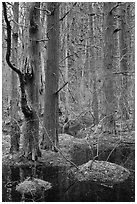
(101,171)
(33,186)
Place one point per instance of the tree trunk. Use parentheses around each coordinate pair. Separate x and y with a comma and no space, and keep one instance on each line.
(15,128)
(31,129)
(124,53)
(109,102)
(92,66)
(50,135)
(66,64)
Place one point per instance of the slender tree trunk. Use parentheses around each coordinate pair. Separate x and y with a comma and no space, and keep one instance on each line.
(82,80)
(109,103)
(124,53)
(66,64)
(15,128)
(50,136)
(92,65)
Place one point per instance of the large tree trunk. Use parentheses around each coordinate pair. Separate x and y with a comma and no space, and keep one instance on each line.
(109,99)
(50,135)
(29,81)
(15,128)
(31,129)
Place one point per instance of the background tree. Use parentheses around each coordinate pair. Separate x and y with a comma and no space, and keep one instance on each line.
(124,55)
(92,62)
(109,98)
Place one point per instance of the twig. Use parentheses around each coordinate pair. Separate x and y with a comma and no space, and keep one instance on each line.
(61,88)
(49,13)
(68,159)
(10,4)
(61,19)
(114,7)
(124,73)
(42,40)
(18,24)
(122,57)
(66,57)
(112,150)
(57,147)
(68,88)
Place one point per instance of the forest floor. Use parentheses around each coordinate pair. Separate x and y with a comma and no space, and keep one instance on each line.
(69,145)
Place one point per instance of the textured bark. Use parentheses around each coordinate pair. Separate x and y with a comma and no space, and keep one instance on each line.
(31,130)
(66,64)
(92,65)
(28,83)
(109,102)
(50,134)
(15,128)
(124,40)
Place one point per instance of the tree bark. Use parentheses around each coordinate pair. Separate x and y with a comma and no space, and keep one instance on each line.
(31,129)
(124,56)
(109,102)
(15,128)
(92,66)
(50,134)
(66,64)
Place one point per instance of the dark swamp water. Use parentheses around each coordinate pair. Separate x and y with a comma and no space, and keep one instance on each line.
(66,189)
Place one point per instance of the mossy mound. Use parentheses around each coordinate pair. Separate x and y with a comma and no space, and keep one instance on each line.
(101,171)
(33,186)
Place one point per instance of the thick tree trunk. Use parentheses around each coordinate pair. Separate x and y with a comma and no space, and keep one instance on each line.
(15,128)
(109,101)
(50,135)
(31,129)
(29,82)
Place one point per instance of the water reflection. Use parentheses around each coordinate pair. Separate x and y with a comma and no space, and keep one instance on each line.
(66,188)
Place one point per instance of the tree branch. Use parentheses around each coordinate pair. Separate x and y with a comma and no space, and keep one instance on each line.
(25,108)
(61,88)
(61,19)
(8,40)
(114,7)
(19,24)
(42,40)
(49,13)
(124,73)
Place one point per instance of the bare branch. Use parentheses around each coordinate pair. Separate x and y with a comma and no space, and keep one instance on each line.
(61,19)
(10,4)
(124,73)
(122,57)
(49,13)
(114,7)
(61,88)
(8,54)
(19,24)
(42,40)
(67,57)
